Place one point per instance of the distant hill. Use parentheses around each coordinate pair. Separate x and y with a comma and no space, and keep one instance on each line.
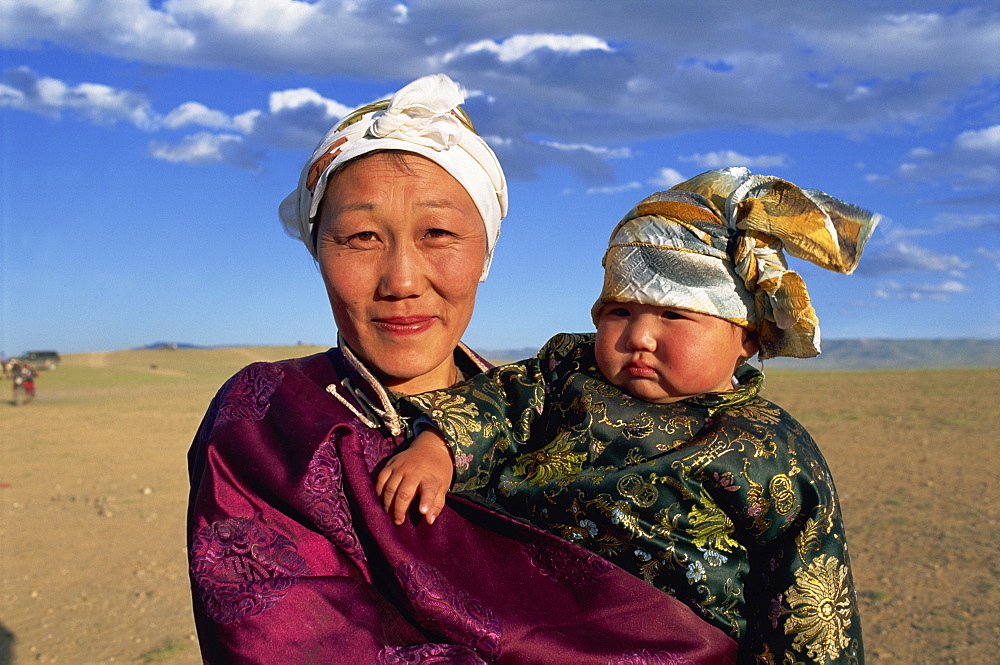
(168,345)
(860,354)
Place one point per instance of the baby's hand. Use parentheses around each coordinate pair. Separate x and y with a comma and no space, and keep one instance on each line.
(425,468)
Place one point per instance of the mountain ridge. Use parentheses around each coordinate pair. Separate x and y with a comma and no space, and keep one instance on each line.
(866,353)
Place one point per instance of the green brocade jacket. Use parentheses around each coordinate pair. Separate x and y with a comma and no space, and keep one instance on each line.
(721,500)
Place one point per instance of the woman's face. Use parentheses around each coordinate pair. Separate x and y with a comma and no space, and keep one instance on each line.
(401,246)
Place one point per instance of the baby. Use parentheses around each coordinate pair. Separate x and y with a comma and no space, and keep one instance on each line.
(648,443)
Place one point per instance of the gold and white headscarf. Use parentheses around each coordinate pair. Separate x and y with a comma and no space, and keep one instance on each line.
(423,117)
(714,244)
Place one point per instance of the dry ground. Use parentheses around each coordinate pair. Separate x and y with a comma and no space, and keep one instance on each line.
(93,487)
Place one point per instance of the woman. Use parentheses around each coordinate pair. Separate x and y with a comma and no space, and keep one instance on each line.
(293,559)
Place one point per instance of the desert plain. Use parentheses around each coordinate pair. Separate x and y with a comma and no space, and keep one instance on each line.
(93,488)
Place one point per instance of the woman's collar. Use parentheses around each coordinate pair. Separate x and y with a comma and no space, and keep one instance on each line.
(374,403)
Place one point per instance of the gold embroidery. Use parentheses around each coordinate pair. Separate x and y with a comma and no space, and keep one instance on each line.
(808,539)
(782,493)
(679,423)
(635,488)
(674,483)
(553,462)
(453,414)
(711,527)
(821,609)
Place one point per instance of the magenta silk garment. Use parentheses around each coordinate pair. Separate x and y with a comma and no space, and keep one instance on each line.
(294,561)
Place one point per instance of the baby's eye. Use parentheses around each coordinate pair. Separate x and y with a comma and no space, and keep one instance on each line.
(618,311)
(672,315)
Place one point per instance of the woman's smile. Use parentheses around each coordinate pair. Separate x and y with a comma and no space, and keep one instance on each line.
(404,325)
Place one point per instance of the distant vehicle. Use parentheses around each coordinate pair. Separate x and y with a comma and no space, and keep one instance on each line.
(40,359)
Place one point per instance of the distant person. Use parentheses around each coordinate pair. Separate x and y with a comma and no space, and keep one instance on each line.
(293,560)
(24,380)
(648,443)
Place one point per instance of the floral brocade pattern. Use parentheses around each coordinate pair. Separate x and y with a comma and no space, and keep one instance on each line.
(560,563)
(722,500)
(429,654)
(242,568)
(249,393)
(456,615)
(651,658)
(323,490)
(820,609)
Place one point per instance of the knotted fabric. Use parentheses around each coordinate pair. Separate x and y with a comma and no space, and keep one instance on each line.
(715,244)
(425,118)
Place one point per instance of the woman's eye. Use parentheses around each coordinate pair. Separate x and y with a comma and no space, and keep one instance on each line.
(362,238)
(439,233)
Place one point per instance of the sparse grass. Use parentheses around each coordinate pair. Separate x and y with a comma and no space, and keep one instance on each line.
(913,453)
(165,651)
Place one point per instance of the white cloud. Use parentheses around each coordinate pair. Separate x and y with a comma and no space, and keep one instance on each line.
(206,148)
(615,189)
(904,256)
(200,148)
(666,178)
(945,222)
(283,17)
(119,28)
(607,153)
(980,140)
(295,119)
(876,66)
(247,121)
(519,47)
(25,90)
(724,158)
(891,290)
(965,164)
(293,100)
(402,12)
(193,113)
(602,79)
(991,255)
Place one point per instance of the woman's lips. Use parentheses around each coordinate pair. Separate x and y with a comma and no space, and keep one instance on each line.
(404,325)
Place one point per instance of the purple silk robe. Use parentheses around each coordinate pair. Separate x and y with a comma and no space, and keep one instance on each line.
(293,560)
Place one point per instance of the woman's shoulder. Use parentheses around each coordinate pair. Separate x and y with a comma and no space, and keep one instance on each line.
(260,379)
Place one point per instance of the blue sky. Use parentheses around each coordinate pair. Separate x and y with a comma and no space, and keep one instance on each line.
(146,146)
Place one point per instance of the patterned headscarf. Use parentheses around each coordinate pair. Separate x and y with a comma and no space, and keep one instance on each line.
(713,244)
(423,117)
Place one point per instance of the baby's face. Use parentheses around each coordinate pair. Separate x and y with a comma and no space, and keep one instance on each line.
(662,354)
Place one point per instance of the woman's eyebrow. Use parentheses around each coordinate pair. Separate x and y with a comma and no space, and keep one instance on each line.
(437,203)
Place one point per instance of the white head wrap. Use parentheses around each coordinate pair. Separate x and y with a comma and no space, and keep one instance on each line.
(424,118)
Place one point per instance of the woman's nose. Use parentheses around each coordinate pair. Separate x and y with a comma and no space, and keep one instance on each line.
(402,274)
